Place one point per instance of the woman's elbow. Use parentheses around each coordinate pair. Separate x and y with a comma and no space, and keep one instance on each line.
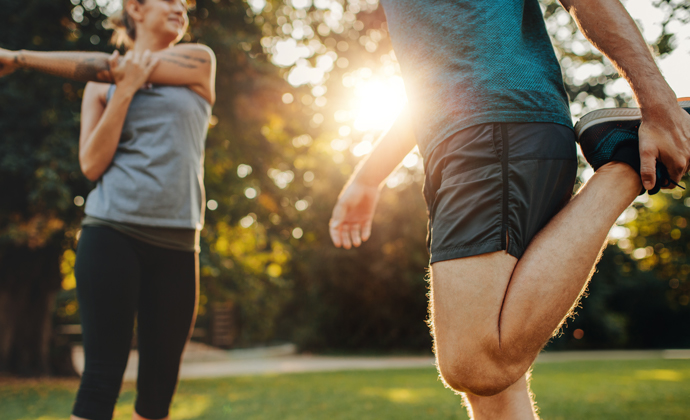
(91,172)
(91,175)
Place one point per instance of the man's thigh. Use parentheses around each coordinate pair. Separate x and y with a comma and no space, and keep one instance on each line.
(466,299)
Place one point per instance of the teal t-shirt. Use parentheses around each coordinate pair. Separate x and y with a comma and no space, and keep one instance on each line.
(469,62)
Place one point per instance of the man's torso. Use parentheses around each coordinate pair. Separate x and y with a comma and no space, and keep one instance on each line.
(469,62)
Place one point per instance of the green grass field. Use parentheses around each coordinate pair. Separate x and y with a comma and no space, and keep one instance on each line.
(648,389)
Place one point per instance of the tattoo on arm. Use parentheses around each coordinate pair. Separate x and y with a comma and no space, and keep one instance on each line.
(189,57)
(90,69)
(79,66)
(179,63)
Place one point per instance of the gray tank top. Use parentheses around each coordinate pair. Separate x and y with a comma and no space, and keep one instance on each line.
(156,176)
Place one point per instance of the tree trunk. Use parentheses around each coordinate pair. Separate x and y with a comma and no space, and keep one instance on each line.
(29,282)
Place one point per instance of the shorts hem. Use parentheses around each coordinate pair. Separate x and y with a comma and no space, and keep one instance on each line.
(515,250)
(464,251)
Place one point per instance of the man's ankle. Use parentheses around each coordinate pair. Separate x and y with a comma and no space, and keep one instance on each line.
(621,168)
(622,175)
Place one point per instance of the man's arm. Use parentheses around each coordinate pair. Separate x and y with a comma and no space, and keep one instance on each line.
(354,212)
(387,153)
(665,129)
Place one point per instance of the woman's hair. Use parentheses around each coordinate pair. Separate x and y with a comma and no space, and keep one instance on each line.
(124,31)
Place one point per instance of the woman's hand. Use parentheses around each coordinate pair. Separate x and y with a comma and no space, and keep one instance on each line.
(132,71)
(353,215)
(8,62)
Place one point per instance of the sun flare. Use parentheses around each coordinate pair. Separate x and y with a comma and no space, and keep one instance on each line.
(378,102)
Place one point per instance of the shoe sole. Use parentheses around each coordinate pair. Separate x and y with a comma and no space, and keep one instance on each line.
(612,114)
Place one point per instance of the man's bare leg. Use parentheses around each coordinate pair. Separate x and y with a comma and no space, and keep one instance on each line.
(515,402)
(492,314)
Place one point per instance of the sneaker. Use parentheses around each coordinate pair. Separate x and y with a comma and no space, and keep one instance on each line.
(610,134)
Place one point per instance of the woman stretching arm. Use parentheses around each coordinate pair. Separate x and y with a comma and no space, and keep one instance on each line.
(137,257)
(102,120)
(191,65)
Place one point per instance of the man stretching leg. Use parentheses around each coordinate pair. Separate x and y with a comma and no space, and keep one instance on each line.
(510,251)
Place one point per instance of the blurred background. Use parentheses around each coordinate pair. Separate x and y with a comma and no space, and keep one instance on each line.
(304,89)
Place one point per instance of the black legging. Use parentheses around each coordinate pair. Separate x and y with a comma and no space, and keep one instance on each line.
(118,278)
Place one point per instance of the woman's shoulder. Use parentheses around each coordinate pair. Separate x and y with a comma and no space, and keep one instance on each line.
(192,65)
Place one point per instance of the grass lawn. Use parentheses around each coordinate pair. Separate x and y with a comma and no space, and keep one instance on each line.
(648,389)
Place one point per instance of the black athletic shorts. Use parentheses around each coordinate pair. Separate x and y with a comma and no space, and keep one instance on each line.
(493,186)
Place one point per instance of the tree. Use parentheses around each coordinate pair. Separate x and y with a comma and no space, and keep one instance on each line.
(40,177)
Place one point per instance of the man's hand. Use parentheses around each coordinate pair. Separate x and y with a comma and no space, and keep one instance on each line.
(354,212)
(353,215)
(664,136)
(131,71)
(665,129)
(8,63)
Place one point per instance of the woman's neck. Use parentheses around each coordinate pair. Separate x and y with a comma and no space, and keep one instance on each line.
(150,43)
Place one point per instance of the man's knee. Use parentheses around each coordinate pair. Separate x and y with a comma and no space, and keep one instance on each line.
(467,297)
(479,374)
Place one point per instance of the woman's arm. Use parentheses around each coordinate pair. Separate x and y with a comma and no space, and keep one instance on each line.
(191,65)
(75,65)
(101,120)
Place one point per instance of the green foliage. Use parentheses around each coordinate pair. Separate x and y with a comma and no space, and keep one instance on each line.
(246,266)
(39,169)
(677,14)
(625,308)
(39,177)
(373,297)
